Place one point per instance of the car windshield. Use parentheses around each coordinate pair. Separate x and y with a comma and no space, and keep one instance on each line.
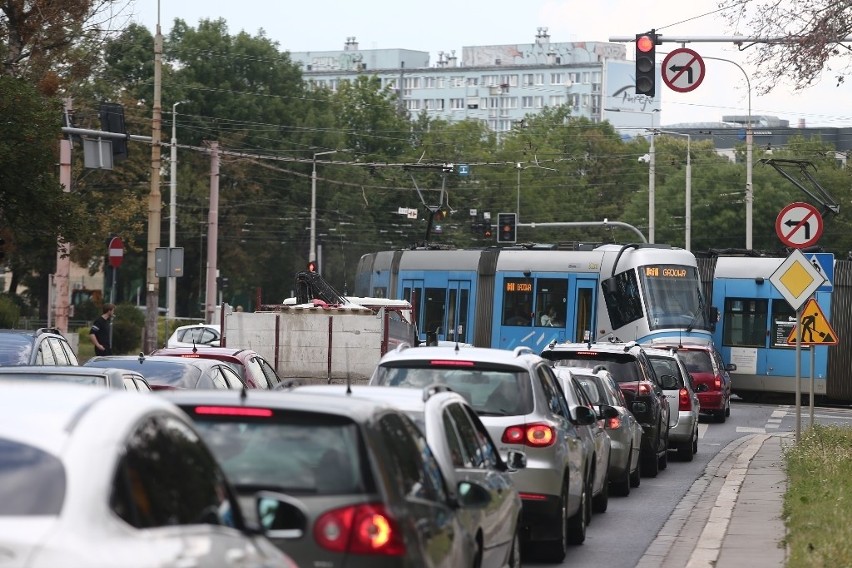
(155,372)
(622,367)
(666,366)
(15,349)
(489,389)
(32,482)
(296,452)
(696,361)
(76,379)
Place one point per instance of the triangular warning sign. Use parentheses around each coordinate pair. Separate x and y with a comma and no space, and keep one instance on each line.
(815,327)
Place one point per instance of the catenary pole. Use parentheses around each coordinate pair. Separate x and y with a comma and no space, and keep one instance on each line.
(152,291)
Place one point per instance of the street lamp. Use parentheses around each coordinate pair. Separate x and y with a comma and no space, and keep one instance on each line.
(749,193)
(688,217)
(312,253)
(172,281)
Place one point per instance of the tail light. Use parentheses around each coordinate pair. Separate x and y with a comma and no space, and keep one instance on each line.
(684,402)
(644,389)
(613,423)
(533,435)
(360,529)
(717,383)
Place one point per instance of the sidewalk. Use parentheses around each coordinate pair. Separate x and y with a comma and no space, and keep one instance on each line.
(731,516)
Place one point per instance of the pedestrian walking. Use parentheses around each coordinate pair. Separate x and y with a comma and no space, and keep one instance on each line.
(100,332)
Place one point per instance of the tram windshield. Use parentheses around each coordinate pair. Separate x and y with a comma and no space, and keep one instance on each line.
(673,296)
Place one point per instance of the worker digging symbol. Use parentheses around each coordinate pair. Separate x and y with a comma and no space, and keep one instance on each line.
(815,329)
(808,328)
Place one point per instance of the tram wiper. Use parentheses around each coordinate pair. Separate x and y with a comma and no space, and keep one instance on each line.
(697,313)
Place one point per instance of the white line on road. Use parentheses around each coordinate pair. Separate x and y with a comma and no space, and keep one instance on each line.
(747,430)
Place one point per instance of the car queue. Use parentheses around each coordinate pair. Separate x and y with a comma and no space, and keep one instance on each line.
(483,457)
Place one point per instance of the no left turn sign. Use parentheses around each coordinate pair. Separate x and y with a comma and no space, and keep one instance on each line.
(683,70)
(799,225)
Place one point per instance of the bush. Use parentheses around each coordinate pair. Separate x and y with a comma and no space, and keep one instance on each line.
(127,329)
(10,313)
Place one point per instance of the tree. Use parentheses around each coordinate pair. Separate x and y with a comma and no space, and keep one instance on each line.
(802,38)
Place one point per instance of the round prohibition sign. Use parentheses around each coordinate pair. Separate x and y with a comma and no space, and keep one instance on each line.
(799,225)
(683,70)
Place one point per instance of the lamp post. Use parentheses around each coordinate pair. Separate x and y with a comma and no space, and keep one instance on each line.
(688,214)
(172,281)
(312,253)
(749,193)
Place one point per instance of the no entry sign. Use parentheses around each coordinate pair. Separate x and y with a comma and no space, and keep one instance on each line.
(116,252)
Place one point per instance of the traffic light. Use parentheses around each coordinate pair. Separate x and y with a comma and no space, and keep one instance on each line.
(486,230)
(506,225)
(312,266)
(646,68)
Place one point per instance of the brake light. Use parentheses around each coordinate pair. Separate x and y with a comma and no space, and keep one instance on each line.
(717,383)
(190,356)
(533,435)
(359,529)
(644,389)
(451,363)
(684,402)
(232,411)
(613,423)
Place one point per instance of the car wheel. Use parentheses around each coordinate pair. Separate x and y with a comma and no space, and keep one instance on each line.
(650,464)
(601,500)
(514,560)
(720,416)
(577,524)
(728,407)
(636,475)
(695,442)
(684,451)
(663,459)
(477,558)
(555,550)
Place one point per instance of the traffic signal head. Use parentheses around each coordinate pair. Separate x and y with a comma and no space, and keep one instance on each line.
(312,266)
(646,68)
(486,230)
(506,227)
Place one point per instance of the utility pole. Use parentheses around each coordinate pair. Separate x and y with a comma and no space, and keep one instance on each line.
(172,281)
(152,295)
(652,174)
(212,234)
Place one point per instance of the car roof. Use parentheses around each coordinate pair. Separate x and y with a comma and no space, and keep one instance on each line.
(519,357)
(34,332)
(57,370)
(609,347)
(660,352)
(215,326)
(203,351)
(44,415)
(406,399)
(103,360)
(682,342)
(359,409)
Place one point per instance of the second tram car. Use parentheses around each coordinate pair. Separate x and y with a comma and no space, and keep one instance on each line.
(532,295)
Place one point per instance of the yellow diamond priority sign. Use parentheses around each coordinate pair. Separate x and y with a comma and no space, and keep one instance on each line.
(796,279)
(815,327)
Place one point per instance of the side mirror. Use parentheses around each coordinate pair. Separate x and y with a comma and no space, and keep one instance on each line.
(516,460)
(713,316)
(730,367)
(585,415)
(669,382)
(280,516)
(473,495)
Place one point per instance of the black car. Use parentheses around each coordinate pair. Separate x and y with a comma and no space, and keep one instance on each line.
(630,367)
(166,373)
(43,346)
(121,379)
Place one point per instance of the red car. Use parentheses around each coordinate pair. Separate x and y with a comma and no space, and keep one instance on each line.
(255,371)
(704,363)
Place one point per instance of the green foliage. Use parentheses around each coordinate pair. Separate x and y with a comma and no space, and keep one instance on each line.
(818,501)
(127,329)
(10,313)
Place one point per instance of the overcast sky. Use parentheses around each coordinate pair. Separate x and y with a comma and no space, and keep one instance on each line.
(441,25)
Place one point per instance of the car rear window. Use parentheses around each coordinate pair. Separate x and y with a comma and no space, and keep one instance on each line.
(294,452)
(623,368)
(666,366)
(696,361)
(32,481)
(156,372)
(15,349)
(489,389)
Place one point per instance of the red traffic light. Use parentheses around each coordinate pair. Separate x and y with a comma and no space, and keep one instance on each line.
(312,266)
(645,43)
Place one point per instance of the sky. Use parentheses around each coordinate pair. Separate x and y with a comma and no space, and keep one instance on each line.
(442,25)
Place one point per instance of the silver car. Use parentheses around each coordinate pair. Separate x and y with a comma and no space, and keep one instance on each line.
(518,398)
(465,452)
(678,386)
(93,478)
(625,432)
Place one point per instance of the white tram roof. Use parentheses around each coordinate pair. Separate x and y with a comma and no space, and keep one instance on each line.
(746,267)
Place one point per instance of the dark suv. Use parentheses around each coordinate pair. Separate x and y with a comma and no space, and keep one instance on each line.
(630,367)
(44,346)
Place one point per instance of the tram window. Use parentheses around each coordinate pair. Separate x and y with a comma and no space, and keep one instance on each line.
(550,302)
(745,322)
(783,322)
(435,304)
(621,294)
(517,301)
(380,292)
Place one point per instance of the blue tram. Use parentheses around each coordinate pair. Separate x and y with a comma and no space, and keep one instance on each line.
(532,295)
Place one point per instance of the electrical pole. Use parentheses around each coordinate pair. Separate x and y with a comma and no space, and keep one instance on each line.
(172,281)
(152,296)
(212,234)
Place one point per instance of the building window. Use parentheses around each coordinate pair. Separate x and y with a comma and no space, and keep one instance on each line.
(556,78)
(527,102)
(539,78)
(557,100)
(472,81)
(528,80)
(456,104)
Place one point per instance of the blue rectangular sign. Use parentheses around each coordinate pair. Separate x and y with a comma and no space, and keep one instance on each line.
(825,262)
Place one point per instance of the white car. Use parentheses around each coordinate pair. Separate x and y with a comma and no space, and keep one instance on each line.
(92,479)
(196,335)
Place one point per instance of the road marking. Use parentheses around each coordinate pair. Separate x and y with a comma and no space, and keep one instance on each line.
(702,429)
(747,430)
(779,413)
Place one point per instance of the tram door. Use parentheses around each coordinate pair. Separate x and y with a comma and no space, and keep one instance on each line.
(584,327)
(443,309)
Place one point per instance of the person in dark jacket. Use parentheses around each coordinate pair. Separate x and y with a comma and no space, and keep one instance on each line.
(100,331)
